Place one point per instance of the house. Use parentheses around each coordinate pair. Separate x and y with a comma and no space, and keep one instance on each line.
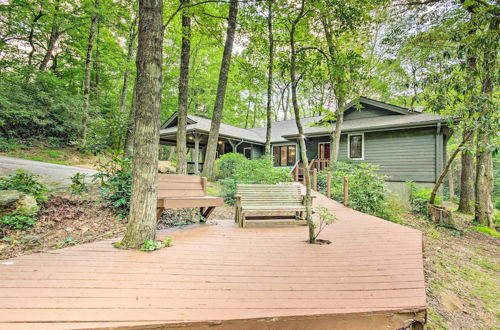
(404,144)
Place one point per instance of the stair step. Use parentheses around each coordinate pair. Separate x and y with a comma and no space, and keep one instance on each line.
(274,222)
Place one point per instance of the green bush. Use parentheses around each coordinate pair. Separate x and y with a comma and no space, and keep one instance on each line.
(251,171)
(115,178)
(226,165)
(26,182)
(36,105)
(419,198)
(367,189)
(78,185)
(19,219)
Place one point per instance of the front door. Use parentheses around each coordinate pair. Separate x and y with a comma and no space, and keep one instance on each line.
(324,150)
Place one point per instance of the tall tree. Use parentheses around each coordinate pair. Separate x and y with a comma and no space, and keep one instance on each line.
(302,144)
(183,90)
(55,34)
(269,76)
(86,81)
(213,137)
(142,218)
(466,201)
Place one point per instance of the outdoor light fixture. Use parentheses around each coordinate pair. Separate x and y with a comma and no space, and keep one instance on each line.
(190,137)
(220,142)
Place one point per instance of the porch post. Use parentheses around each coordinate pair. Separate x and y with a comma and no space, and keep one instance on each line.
(234,145)
(196,154)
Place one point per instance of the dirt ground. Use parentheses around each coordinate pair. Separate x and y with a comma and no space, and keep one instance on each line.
(66,220)
(462,276)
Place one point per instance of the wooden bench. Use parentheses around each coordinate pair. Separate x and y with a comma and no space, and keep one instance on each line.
(255,199)
(185,191)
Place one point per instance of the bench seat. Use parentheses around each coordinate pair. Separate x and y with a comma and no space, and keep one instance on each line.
(275,208)
(264,198)
(185,191)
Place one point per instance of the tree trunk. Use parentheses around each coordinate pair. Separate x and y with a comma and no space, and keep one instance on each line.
(86,82)
(446,168)
(129,140)
(334,148)
(466,203)
(183,91)
(339,111)
(142,218)
(126,75)
(483,211)
(54,36)
(213,137)
(248,111)
(300,128)
(31,35)
(451,184)
(95,64)
(269,77)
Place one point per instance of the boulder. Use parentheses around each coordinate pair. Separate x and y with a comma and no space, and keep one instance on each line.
(164,166)
(11,200)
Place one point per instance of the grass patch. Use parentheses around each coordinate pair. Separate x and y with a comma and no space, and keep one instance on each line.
(487,230)
(62,156)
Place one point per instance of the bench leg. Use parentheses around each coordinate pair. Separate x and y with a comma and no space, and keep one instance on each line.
(159,211)
(206,213)
(242,220)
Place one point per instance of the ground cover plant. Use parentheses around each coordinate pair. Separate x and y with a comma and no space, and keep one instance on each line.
(367,190)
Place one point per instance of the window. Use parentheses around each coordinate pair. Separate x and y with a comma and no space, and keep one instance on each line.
(355,146)
(247,152)
(284,155)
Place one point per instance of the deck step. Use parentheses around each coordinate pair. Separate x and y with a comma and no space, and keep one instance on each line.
(274,222)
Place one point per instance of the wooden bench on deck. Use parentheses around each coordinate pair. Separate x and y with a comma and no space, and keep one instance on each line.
(185,191)
(254,199)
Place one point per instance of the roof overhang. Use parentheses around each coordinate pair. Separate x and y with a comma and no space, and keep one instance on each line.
(432,123)
(203,132)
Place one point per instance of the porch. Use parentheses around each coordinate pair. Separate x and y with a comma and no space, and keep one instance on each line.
(197,145)
(370,277)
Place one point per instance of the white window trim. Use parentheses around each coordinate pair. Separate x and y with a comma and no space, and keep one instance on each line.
(362,146)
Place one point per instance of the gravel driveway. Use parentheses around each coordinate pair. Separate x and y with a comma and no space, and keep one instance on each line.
(52,174)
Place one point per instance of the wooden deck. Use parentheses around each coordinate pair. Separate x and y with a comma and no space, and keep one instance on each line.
(371,276)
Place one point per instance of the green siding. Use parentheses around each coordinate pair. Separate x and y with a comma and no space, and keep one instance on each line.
(367,112)
(401,155)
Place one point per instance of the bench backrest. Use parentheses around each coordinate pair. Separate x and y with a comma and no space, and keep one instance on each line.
(175,185)
(269,194)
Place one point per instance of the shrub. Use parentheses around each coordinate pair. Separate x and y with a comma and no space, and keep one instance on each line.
(26,182)
(19,219)
(419,198)
(251,171)
(116,184)
(78,185)
(226,165)
(367,189)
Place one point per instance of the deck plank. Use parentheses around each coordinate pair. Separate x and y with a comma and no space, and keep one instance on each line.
(219,272)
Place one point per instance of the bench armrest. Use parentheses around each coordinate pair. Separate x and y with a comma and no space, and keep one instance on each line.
(237,200)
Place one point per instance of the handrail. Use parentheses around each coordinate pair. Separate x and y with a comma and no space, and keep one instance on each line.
(295,165)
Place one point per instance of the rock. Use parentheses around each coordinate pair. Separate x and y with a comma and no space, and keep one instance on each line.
(165,166)
(451,301)
(11,200)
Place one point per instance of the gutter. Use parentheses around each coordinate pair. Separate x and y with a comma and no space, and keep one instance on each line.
(372,129)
